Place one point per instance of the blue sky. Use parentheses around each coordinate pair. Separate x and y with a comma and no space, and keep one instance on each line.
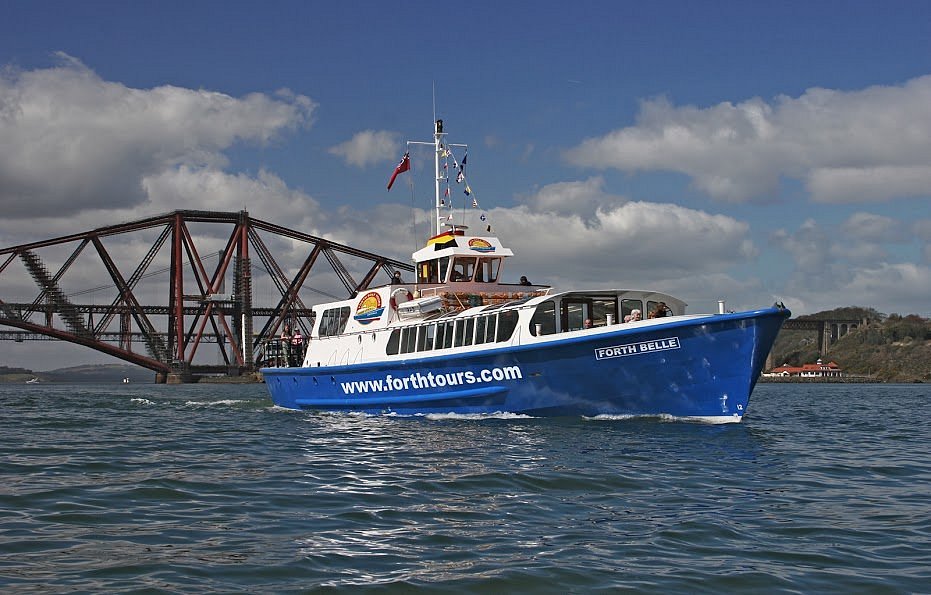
(747,151)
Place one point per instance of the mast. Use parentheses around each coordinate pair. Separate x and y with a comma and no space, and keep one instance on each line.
(438,135)
(440,153)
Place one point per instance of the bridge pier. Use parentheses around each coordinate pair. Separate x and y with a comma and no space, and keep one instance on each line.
(179,378)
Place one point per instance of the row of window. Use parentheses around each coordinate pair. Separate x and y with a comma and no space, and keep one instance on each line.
(464,268)
(576,313)
(579,312)
(443,334)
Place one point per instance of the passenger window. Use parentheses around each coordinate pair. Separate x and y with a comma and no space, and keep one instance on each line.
(333,321)
(490,328)
(544,317)
(460,332)
(601,308)
(627,308)
(408,340)
(507,322)
(480,329)
(469,329)
(394,342)
(448,340)
(440,334)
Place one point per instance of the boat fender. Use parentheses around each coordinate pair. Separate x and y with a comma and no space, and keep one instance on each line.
(394,301)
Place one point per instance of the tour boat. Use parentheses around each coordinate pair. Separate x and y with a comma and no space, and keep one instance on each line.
(461,339)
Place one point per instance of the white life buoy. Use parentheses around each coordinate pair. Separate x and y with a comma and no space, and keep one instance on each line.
(401,292)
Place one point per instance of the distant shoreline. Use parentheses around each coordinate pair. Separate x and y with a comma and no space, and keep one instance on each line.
(822,380)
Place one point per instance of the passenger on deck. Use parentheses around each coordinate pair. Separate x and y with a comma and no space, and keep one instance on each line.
(524,281)
(396,278)
(661,310)
(297,349)
(285,346)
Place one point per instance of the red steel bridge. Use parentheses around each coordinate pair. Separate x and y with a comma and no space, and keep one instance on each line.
(44,289)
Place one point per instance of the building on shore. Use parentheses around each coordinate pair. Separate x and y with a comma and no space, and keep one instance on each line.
(815,370)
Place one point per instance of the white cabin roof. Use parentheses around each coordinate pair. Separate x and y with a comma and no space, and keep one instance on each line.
(452,244)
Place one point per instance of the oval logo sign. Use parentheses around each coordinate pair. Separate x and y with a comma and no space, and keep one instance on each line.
(369,308)
(480,245)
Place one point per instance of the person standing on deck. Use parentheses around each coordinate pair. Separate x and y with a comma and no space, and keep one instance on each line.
(297,348)
(286,346)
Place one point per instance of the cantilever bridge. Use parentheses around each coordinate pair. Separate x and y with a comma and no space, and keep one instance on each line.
(158,260)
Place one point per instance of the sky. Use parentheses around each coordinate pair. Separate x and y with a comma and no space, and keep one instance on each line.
(745,151)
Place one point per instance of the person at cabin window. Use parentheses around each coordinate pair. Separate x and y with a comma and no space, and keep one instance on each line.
(463,269)
(396,278)
(633,316)
(524,281)
(587,323)
(661,310)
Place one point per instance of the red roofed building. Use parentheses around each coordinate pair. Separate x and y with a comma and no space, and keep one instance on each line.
(815,370)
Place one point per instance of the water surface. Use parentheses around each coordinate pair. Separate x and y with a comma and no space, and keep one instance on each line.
(205,488)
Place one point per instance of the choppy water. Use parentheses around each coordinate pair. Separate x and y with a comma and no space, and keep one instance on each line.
(208,488)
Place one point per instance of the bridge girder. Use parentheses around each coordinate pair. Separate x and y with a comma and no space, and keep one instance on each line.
(195,296)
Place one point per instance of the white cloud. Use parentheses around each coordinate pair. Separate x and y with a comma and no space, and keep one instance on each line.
(582,198)
(857,146)
(72,141)
(850,266)
(368,147)
(869,227)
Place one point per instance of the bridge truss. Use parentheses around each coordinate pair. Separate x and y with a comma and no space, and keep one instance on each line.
(158,260)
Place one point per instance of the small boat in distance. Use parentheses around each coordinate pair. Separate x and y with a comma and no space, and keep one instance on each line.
(461,339)
(33,380)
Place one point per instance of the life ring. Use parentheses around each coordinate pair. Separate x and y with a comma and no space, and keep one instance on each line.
(393,300)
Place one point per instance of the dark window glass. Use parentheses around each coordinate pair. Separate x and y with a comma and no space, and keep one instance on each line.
(545,317)
(507,322)
(394,342)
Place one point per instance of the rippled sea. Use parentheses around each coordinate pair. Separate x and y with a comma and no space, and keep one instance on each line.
(209,488)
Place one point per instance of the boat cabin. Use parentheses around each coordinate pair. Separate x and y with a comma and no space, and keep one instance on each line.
(453,257)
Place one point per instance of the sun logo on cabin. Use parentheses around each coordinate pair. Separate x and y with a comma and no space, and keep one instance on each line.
(369,308)
(480,245)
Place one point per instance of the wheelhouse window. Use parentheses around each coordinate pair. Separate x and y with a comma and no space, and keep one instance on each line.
(428,272)
(487,271)
(544,317)
(463,269)
(444,267)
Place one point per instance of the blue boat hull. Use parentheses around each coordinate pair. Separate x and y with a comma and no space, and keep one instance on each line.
(696,368)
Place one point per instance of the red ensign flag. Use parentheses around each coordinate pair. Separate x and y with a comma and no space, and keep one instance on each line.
(402,167)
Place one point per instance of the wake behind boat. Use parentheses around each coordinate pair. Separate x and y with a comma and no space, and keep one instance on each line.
(459,339)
